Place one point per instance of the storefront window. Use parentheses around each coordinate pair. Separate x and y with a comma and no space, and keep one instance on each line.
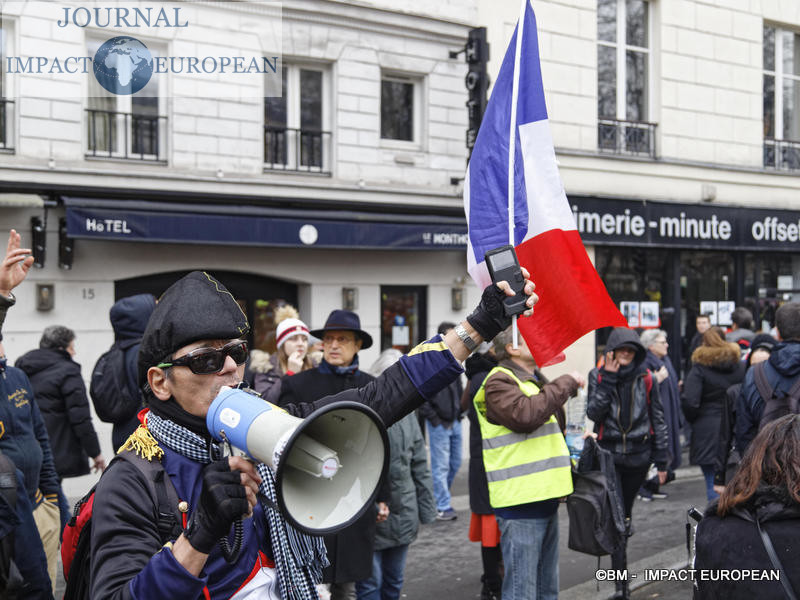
(403,316)
(770,280)
(641,284)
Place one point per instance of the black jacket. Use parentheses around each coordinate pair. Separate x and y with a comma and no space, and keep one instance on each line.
(726,453)
(61,396)
(445,407)
(643,431)
(714,370)
(477,367)
(350,550)
(311,385)
(733,543)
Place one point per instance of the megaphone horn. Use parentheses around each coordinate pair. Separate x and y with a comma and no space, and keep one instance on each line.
(327,466)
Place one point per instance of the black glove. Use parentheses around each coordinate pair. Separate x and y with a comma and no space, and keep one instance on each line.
(490,318)
(222,500)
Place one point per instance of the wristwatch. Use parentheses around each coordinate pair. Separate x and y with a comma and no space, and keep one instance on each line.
(464,337)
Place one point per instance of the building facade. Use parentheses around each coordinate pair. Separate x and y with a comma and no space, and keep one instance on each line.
(676,132)
(341,190)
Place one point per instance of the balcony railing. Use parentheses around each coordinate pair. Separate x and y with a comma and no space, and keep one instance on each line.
(636,138)
(303,150)
(782,154)
(7,124)
(113,134)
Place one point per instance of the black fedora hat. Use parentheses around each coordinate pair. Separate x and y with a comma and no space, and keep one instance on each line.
(344,320)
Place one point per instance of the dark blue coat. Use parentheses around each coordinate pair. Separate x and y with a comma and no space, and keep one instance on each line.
(129,318)
(671,403)
(23,436)
(782,369)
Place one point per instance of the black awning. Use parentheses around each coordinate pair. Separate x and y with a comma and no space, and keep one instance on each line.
(114,219)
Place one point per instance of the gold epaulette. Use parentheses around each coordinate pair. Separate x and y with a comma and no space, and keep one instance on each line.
(143,443)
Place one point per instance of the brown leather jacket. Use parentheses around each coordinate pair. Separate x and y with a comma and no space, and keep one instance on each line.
(509,406)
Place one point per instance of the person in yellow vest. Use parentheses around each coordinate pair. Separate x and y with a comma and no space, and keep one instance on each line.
(527,465)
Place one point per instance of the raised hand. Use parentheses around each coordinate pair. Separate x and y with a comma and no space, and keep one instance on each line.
(16,264)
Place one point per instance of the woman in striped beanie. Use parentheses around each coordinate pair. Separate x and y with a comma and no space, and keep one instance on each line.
(291,338)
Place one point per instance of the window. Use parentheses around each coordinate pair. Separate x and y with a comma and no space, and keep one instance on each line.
(6,104)
(125,126)
(295,136)
(401,109)
(623,65)
(781,98)
(403,316)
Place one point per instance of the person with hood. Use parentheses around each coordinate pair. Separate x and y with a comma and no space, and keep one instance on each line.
(291,356)
(129,318)
(61,396)
(625,405)
(781,370)
(658,363)
(715,367)
(728,454)
(410,503)
(760,505)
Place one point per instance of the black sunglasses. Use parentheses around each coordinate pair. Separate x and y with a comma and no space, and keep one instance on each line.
(205,361)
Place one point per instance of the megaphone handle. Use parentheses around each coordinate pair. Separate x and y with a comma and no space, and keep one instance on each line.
(231,553)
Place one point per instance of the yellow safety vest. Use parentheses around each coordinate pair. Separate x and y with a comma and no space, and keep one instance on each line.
(523,467)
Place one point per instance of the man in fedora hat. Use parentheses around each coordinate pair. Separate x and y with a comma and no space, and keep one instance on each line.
(342,338)
(350,550)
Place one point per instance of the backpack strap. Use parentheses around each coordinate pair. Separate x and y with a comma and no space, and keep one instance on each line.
(794,397)
(169,523)
(765,390)
(773,558)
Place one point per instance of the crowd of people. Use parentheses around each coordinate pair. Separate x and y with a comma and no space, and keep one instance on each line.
(737,399)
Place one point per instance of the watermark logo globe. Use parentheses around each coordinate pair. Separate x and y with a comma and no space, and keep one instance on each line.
(123,65)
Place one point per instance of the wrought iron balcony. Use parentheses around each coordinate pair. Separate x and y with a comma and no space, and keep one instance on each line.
(112,134)
(782,154)
(636,138)
(301,150)
(7,124)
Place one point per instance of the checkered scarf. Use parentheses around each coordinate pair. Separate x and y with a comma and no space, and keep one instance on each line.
(299,558)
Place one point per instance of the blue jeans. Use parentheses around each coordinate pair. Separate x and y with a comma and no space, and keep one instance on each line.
(386,580)
(445,445)
(530,554)
(708,475)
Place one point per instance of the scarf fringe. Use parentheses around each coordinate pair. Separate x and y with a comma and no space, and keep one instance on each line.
(142,442)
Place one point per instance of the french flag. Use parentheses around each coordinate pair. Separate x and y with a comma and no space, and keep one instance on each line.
(513,194)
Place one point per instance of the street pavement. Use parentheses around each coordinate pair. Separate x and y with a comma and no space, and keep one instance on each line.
(443,564)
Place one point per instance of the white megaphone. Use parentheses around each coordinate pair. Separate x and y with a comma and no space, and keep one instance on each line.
(327,466)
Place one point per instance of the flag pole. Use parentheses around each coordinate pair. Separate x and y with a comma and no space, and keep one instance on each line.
(512,147)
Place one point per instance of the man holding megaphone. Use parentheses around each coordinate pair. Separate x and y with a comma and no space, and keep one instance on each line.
(191,350)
